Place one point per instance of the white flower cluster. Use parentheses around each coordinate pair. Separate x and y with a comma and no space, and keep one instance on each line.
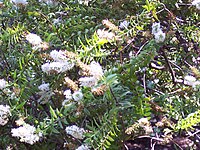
(3,84)
(45,93)
(61,63)
(191,81)
(196,3)
(68,94)
(44,87)
(83,147)
(26,133)
(145,124)
(48,2)
(58,56)
(4,113)
(124,24)
(75,131)
(33,39)
(96,71)
(76,96)
(36,41)
(85,2)
(23,2)
(158,33)
(103,34)
(88,81)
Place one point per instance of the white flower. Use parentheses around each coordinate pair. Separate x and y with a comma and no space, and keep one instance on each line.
(96,70)
(68,94)
(57,21)
(44,87)
(23,2)
(124,24)
(191,81)
(85,2)
(190,78)
(77,96)
(158,33)
(58,56)
(49,2)
(88,81)
(26,133)
(20,121)
(3,83)
(197,83)
(4,113)
(45,93)
(102,34)
(57,66)
(143,122)
(196,3)
(160,36)
(46,67)
(156,28)
(83,147)
(75,131)
(33,39)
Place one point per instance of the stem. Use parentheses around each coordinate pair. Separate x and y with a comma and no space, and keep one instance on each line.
(169,66)
(120,119)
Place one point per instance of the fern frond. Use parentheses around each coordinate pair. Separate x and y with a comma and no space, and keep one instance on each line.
(102,132)
(12,35)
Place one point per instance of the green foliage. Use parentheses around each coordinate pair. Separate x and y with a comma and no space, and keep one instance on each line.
(103,132)
(141,79)
(191,120)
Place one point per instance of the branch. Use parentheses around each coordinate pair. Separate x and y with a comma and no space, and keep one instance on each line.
(170,67)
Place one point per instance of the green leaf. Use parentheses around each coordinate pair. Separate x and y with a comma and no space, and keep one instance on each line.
(21,105)
(53,114)
(111,78)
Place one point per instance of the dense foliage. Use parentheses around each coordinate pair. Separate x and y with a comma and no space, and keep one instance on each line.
(99,74)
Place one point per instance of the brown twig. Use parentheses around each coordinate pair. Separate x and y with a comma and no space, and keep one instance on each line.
(170,67)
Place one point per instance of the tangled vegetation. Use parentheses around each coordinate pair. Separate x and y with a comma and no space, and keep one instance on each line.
(99,74)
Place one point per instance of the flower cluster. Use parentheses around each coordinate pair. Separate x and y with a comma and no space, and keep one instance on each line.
(191,81)
(48,2)
(145,124)
(96,72)
(68,94)
(124,24)
(61,63)
(85,2)
(3,84)
(158,33)
(26,133)
(4,113)
(33,39)
(87,81)
(83,147)
(45,93)
(22,2)
(75,131)
(103,34)
(196,3)
(76,96)
(44,87)
(36,42)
